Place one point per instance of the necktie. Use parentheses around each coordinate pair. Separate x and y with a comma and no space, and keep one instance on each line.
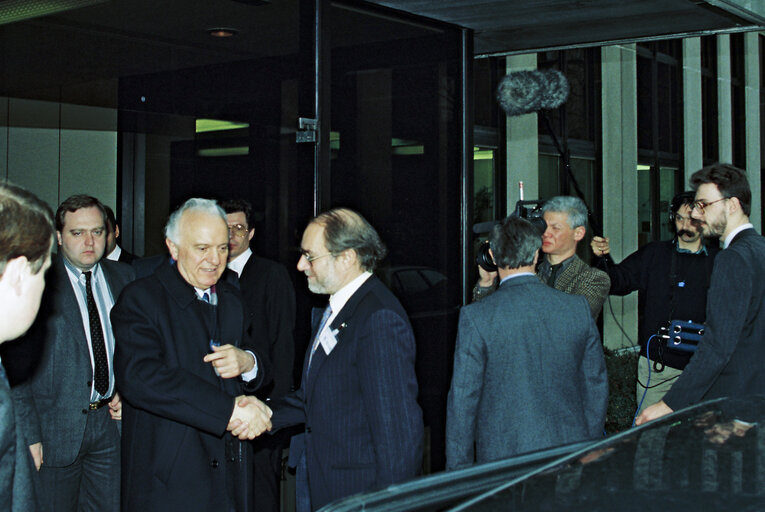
(206,297)
(553,274)
(100,363)
(322,324)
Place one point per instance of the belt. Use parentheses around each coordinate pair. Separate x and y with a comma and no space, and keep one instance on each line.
(97,405)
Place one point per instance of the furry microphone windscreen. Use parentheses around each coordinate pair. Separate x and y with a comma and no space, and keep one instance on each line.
(523,92)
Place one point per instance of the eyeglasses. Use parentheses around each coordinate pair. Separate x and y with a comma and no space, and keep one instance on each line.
(310,259)
(238,230)
(700,205)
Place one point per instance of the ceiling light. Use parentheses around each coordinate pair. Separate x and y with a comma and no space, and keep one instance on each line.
(222,32)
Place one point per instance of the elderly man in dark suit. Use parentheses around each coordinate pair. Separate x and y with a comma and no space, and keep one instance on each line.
(26,232)
(529,371)
(70,404)
(182,372)
(731,354)
(269,300)
(358,396)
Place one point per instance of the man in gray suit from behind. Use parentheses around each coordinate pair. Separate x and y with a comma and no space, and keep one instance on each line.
(529,371)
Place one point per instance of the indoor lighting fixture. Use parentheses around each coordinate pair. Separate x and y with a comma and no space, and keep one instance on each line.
(222,32)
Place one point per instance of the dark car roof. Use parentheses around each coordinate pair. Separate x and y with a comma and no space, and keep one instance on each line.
(708,457)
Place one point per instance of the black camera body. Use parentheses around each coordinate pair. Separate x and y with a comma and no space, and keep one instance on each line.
(529,210)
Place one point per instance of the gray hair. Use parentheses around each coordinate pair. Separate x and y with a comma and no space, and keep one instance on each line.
(573,206)
(514,242)
(346,229)
(208,206)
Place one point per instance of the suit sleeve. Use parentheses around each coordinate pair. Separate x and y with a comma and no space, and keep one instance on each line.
(595,379)
(280,307)
(147,382)
(465,394)
(596,287)
(730,293)
(23,398)
(389,389)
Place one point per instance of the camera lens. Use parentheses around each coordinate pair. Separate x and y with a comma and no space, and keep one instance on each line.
(483,259)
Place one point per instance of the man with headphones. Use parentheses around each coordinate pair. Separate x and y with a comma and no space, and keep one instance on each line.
(671,278)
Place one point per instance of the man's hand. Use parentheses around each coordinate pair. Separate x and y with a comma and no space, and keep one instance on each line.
(37,454)
(250,418)
(600,246)
(653,412)
(115,407)
(230,361)
(486,278)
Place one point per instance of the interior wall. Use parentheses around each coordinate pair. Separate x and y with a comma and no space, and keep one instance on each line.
(58,149)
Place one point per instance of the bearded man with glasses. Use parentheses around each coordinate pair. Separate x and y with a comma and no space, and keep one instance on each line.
(731,353)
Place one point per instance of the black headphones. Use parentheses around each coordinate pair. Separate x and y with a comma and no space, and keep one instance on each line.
(678,201)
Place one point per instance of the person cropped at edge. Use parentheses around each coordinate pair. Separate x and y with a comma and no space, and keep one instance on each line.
(731,353)
(26,240)
(671,278)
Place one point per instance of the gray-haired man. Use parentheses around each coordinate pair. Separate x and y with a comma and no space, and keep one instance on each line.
(562,269)
(528,366)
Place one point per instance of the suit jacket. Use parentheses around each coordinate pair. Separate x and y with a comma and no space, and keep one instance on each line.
(127,257)
(528,374)
(176,452)
(269,300)
(51,402)
(731,354)
(578,278)
(363,426)
(17,493)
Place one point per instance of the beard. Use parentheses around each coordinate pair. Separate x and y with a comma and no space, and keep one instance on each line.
(716,228)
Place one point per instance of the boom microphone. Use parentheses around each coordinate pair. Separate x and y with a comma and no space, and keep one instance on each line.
(523,92)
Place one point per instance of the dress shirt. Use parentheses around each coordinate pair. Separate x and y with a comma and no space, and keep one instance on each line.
(343,295)
(115,254)
(238,263)
(729,238)
(507,278)
(104,300)
(545,267)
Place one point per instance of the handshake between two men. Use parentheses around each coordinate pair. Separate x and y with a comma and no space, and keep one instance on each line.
(250,417)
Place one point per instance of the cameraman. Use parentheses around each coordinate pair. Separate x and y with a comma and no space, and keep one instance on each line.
(671,278)
(566,225)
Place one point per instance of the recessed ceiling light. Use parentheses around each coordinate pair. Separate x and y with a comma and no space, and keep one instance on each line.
(222,32)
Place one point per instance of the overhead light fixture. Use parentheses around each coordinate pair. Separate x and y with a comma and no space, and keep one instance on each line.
(222,32)
(17,10)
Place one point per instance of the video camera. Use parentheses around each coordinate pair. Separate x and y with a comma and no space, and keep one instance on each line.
(530,210)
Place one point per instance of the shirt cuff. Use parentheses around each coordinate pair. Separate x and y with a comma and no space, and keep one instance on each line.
(248,376)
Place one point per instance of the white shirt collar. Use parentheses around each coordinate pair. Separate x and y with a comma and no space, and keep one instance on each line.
(511,276)
(115,254)
(729,238)
(201,292)
(238,263)
(341,297)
